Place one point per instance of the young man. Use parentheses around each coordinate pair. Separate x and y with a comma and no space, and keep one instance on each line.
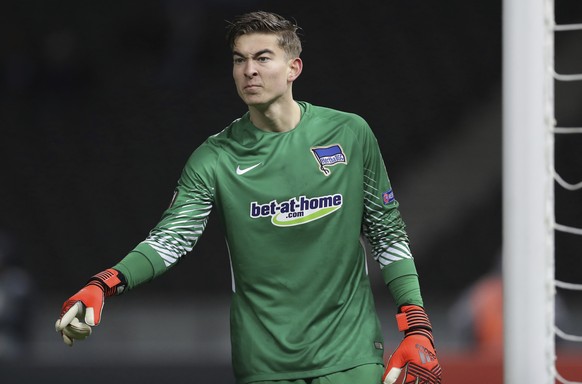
(295,186)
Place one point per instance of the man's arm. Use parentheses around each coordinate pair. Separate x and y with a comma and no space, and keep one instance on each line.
(386,233)
(175,235)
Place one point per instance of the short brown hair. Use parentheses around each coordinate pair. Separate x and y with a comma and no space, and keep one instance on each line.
(266,22)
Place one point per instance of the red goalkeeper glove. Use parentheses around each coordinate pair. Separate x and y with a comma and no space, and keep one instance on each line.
(416,353)
(83,310)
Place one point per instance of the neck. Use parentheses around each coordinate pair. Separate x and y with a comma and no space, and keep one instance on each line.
(277,117)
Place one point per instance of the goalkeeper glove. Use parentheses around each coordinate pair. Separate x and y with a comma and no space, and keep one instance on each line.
(83,310)
(416,353)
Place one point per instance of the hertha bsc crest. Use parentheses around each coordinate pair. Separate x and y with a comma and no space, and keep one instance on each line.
(329,156)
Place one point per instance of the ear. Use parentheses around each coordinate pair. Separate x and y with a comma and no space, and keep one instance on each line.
(295,68)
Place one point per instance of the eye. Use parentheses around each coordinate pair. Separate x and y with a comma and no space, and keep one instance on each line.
(238,60)
(263,59)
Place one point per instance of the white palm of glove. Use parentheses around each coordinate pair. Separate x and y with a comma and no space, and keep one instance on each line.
(73,325)
(83,310)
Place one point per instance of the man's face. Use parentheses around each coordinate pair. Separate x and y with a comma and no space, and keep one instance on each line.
(262,71)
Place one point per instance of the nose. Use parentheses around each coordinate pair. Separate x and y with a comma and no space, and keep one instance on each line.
(250,70)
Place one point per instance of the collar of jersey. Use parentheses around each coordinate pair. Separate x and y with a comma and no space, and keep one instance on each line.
(305,108)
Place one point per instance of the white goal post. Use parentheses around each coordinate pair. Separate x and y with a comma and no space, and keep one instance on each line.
(528,201)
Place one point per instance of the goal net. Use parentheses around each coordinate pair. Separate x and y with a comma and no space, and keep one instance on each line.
(529,177)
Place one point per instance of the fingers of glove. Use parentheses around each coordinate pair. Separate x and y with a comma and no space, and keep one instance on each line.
(94,299)
(70,327)
(91,300)
(417,355)
(73,311)
(400,356)
(90,316)
(77,330)
(395,364)
(391,375)
(67,340)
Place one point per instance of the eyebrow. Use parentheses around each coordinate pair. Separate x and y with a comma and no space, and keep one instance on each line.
(259,53)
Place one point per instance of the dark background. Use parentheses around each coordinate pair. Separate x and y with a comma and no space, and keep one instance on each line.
(101,103)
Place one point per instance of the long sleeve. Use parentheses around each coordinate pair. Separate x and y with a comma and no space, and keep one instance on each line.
(181,225)
(384,228)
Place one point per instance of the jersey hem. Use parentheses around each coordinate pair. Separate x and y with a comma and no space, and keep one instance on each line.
(308,374)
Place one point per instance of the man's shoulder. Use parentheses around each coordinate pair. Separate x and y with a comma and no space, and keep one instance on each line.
(226,134)
(328,113)
(212,145)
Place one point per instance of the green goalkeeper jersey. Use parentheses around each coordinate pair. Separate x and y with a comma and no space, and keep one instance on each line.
(294,206)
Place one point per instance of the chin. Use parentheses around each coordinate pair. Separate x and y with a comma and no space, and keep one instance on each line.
(254,102)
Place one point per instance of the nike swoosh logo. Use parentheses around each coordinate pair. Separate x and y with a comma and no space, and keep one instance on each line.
(240,171)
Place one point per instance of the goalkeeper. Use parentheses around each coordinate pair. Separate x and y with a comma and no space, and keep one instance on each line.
(295,186)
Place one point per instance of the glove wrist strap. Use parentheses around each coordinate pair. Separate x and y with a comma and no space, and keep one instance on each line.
(413,320)
(111,281)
